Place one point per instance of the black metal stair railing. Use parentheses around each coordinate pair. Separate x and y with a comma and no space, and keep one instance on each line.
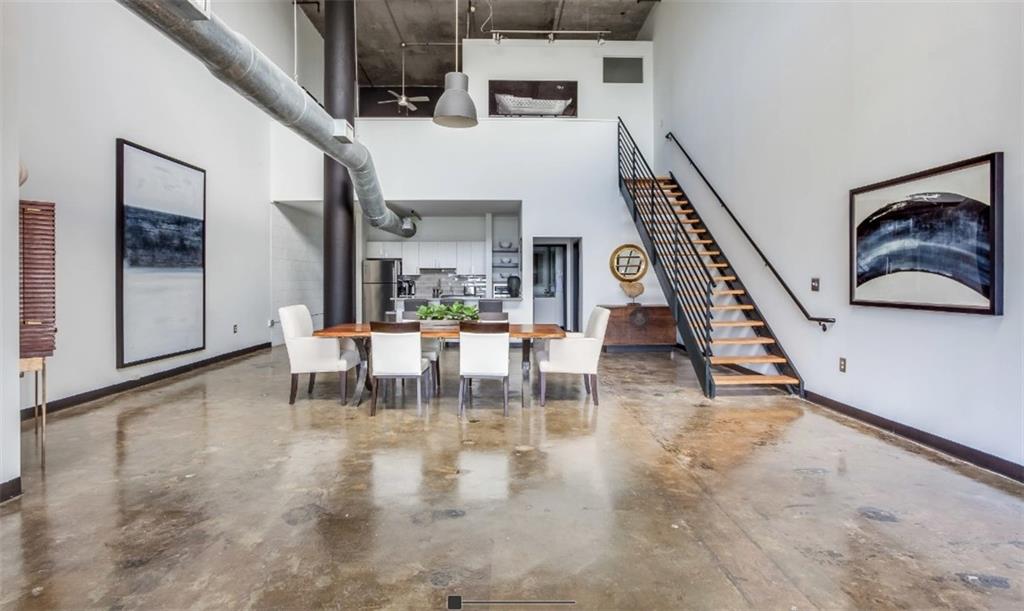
(820,320)
(675,257)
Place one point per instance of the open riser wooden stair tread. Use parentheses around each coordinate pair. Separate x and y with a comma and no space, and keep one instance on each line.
(754,379)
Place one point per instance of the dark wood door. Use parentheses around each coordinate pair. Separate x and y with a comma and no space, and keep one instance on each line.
(38,297)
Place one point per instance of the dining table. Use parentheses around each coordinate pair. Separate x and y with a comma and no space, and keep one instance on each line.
(360,334)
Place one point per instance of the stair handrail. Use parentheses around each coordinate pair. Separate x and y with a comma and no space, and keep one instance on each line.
(822,321)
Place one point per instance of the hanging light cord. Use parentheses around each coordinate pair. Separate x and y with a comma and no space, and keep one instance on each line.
(456,35)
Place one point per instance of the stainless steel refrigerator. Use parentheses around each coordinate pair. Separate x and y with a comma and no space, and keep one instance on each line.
(380,287)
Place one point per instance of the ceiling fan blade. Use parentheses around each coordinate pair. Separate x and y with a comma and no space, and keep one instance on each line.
(393,93)
(411,106)
(388,102)
(419,98)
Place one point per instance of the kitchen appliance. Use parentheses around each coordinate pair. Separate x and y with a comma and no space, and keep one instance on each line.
(406,288)
(380,287)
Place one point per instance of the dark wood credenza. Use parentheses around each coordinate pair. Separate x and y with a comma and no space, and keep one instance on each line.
(649,326)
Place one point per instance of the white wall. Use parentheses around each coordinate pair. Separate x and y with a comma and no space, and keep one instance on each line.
(92,72)
(564,171)
(788,106)
(571,60)
(10,438)
(296,261)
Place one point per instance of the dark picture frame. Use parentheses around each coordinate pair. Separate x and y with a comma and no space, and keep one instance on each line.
(188,228)
(954,236)
(545,95)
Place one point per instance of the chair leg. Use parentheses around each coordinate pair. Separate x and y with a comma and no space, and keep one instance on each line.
(593,384)
(586,382)
(295,389)
(462,391)
(469,393)
(312,380)
(437,376)
(543,387)
(504,388)
(419,393)
(343,386)
(373,397)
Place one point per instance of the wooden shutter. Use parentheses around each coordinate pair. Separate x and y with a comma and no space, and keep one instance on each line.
(38,279)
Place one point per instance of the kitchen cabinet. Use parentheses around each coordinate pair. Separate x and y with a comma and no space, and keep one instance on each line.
(410,258)
(470,258)
(384,250)
(447,255)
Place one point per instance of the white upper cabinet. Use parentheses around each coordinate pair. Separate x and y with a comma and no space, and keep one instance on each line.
(479,250)
(384,250)
(447,255)
(464,265)
(410,257)
(471,260)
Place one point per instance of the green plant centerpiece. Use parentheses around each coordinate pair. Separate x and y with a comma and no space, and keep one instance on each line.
(447,316)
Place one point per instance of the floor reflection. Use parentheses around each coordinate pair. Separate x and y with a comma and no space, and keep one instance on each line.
(209,490)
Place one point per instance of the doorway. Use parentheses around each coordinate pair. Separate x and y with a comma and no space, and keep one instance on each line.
(556,282)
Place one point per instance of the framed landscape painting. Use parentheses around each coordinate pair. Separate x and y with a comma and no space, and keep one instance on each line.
(161,256)
(931,240)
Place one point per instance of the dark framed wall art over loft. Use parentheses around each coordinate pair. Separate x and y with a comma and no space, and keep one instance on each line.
(931,240)
(532,98)
(161,256)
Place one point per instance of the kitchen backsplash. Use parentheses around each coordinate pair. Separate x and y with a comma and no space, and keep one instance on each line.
(451,284)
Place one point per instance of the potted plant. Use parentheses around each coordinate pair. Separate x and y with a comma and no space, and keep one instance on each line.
(437,316)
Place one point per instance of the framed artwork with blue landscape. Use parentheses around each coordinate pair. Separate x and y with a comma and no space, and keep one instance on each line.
(931,240)
(161,256)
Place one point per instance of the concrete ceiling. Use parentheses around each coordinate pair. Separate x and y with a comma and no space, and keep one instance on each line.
(382,25)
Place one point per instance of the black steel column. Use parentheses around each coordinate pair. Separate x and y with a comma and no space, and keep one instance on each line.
(339,226)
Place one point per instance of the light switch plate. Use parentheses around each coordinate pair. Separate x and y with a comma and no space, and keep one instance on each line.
(815,284)
(842,364)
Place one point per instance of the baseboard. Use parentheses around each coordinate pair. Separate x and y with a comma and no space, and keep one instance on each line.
(957,450)
(10,489)
(99,393)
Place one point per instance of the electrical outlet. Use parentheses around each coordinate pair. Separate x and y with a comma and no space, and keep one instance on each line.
(815,284)
(234,328)
(842,364)
(270,323)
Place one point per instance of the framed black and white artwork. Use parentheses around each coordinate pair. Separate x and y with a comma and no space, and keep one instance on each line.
(161,256)
(931,240)
(532,98)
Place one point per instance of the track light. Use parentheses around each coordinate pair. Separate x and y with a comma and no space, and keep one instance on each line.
(600,40)
(551,37)
(497,38)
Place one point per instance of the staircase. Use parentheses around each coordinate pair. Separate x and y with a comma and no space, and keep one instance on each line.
(727,339)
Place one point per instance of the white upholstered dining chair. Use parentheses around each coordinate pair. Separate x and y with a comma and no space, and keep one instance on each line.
(483,354)
(313,355)
(395,351)
(577,353)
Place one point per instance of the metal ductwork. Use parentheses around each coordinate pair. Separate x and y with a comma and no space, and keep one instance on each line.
(237,62)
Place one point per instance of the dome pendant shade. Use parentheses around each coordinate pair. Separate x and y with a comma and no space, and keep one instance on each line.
(455,108)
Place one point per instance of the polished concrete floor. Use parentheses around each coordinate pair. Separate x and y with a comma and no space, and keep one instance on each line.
(209,491)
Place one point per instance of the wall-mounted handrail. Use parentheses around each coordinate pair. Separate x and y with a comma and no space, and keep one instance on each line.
(822,321)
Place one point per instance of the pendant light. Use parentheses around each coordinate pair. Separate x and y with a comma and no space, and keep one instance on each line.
(455,108)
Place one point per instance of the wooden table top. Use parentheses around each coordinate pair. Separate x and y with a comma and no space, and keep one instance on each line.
(515,331)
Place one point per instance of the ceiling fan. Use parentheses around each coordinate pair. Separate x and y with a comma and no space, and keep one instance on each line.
(402,99)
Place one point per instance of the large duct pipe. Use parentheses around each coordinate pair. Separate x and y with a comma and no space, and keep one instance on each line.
(237,62)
